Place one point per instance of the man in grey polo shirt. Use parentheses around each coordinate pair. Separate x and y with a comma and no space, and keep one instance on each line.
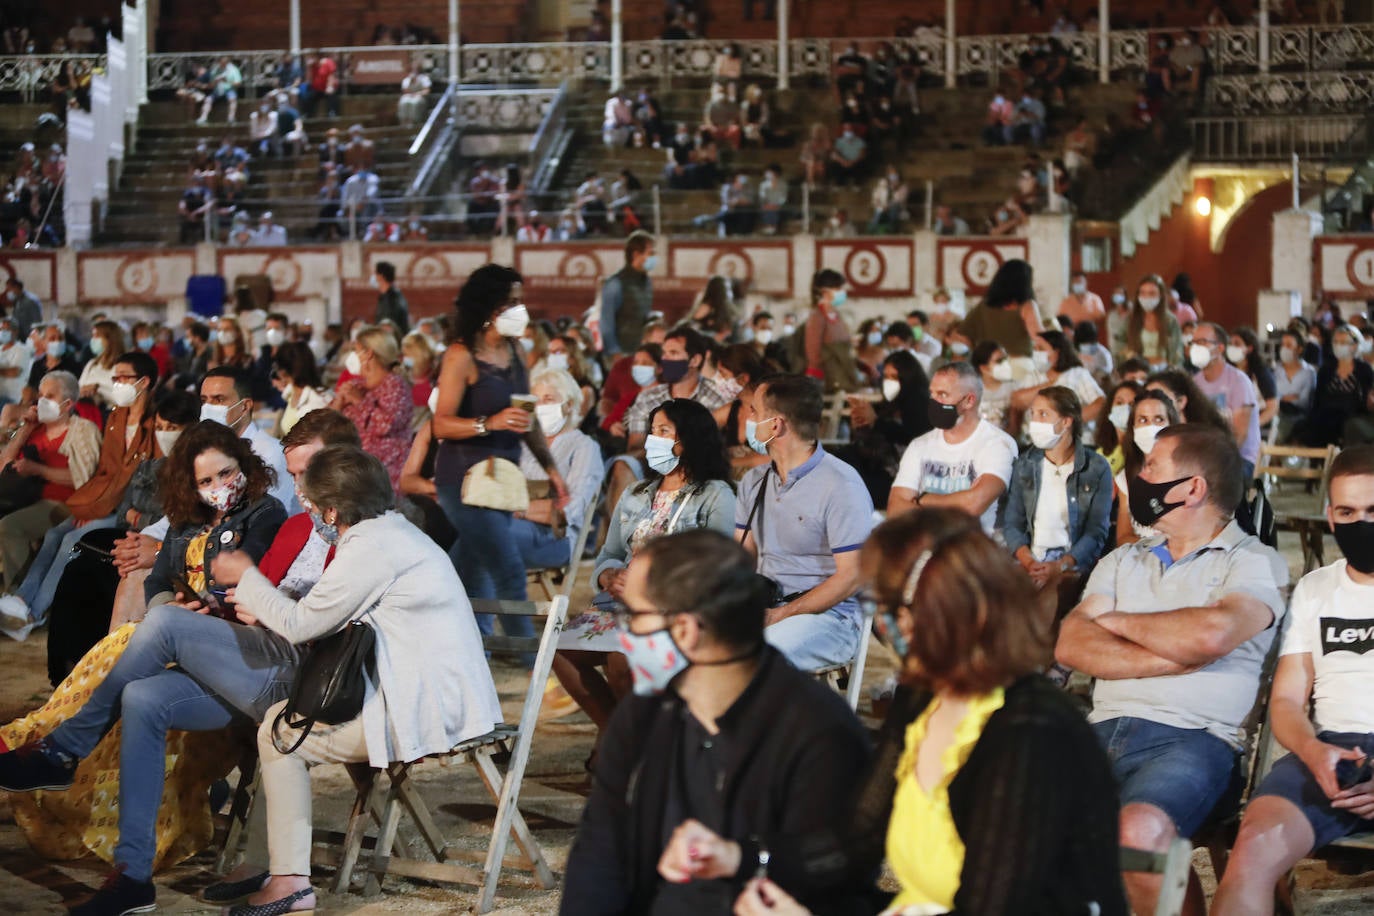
(1175,628)
(804,516)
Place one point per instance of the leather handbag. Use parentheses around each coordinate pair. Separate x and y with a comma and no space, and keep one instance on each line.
(330,683)
(496,484)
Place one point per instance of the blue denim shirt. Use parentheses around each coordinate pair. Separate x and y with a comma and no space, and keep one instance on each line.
(1090,504)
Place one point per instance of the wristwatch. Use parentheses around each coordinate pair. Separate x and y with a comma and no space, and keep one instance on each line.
(480,426)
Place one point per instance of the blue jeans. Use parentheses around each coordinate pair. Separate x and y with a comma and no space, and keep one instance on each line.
(814,641)
(225,674)
(539,547)
(1188,773)
(487,557)
(40,582)
(1290,779)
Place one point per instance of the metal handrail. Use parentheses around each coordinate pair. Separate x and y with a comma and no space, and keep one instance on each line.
(442,108)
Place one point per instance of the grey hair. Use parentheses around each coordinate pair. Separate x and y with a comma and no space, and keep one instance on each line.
(968,377)
(71,388)
(561,381)
(350,481)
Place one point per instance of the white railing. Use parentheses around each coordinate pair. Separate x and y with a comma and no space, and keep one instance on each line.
(29,74)
(1237,138)
(1158,202)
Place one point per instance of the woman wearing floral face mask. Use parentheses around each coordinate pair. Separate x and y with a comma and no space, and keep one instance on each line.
(1151,412)
(1153,332)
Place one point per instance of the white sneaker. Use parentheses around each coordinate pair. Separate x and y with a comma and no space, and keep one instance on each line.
(14,613)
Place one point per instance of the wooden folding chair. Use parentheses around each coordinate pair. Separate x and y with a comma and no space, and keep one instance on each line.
(848,679)
(1175,865)
(402,795)
(1308,519)
(561,580)
(832,416)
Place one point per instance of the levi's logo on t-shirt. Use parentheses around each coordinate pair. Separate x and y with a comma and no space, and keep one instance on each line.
(1341,635)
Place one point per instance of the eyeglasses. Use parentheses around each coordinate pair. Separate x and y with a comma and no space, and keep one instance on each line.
(625,615)
(124,378)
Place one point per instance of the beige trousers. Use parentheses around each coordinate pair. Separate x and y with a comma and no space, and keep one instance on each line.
(284,793)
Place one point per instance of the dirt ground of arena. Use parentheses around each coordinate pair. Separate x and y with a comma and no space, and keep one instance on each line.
(555,790)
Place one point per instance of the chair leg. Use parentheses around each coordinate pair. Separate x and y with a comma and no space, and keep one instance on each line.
(386,833)
(509,822)
(245,794)
(366,782)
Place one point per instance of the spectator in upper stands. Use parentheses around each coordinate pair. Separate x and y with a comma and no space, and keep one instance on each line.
(25,309)
(329,198)
(627,297)
(80,37)
(851,68)
(947,223)
(1175,630)
(728,67)
(754,118)
(848,158)
(321,82)
(1159,74)
(814,617)
(382,229)
(1008,219)
(593,203)
(739,209)
(722,116)
(534,229)
(1080,146)
(1294,383)
(1187,63)
(1229,388)
(1322,789)
(196,204)
(998,130)
(196,89)
(415,89)
(964,462)
(679,171)
(269,234)
(772,198)
(360,155)
(262,128)
(290,127)
(332,154)
(648,114)
(288,75)
(1028,126)
(617,120)
(815,155)
(359,201)
(1082,304)
(225,82)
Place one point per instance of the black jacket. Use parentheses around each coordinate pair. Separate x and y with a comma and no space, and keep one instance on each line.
(799,756)
(1035,805)
(249,527)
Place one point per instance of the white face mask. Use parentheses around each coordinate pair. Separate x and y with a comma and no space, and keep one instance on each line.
(48,410)
(275,337)
(1145,437)
(122,394)
(1149,303)
(557,360)
(166,438)
(1200,356)
(1235,355)
(512,322)
(1343,351)
(891,388)
(353,363)
(1120,415)
(551,418)
(218,413)
(1288,355)
(1043,436)
(224,337)
(1002,371)
(764,336)
(1041,358)
(1079,288)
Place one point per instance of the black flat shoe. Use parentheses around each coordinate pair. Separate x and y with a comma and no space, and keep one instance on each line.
(278,907)
(227,893)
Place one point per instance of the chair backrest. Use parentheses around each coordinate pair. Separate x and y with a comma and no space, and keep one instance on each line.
(832,416)
(532,609)
(580,543)
(860,661)
(1273,464)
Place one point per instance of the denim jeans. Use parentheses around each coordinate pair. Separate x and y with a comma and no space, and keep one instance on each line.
(40,583)
(539,547)
(487,557)
(225,674)
(814,641)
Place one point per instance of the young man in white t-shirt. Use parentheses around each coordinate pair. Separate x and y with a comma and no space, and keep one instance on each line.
(964,462)
(1323,790)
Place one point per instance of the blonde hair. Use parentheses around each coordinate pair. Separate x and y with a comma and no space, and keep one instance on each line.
(417,342)
(382,342)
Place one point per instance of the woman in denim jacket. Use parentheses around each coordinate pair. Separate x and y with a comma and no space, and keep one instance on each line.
(687,486)
(1059,503)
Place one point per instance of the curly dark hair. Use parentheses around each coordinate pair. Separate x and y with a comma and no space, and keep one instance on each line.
(484,294)
(703,449)
(177,477)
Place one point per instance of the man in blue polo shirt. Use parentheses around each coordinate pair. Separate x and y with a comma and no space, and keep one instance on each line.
(804,516)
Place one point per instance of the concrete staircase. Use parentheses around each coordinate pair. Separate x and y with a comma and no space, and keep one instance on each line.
(143,211)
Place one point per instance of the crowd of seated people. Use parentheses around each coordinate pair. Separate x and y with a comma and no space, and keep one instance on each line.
(1083,496)
(31,202)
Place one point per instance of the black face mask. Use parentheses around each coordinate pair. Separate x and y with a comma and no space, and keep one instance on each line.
(1356,541)
(942,416)
(672,371)
(1147,499)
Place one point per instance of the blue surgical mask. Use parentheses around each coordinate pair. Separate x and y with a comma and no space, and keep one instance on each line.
(658,452)
(97,346)
(654,658)
(751,429)
(840,298)
(57,348)
(650,263)
(145,344)
(327,532)
(643,375)
(6,337)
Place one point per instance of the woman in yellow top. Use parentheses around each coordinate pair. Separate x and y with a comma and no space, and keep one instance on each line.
(1113,428)
(989,787)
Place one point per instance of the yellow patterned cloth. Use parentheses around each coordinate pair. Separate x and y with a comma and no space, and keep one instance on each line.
(923,844)
(85,818)
(195,561)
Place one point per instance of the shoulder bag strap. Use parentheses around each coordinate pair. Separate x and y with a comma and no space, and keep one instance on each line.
(757,507)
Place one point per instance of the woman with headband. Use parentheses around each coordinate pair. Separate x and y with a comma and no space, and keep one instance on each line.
(989,792)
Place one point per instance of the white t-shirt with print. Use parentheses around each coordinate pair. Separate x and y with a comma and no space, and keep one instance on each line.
(933,465)
(1332,619)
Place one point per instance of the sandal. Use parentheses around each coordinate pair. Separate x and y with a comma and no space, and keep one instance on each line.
(278,907)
